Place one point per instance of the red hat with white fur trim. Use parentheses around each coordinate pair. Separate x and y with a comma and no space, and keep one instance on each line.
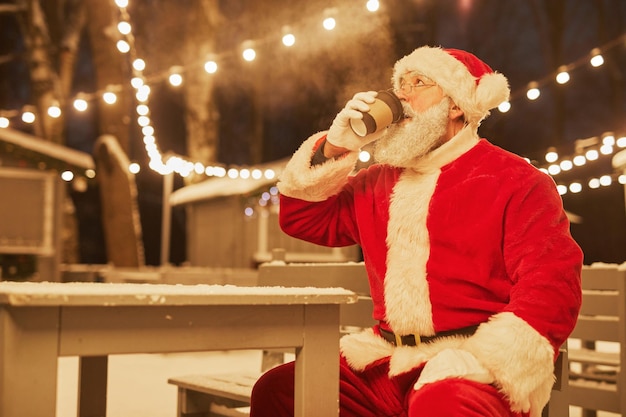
(468,81)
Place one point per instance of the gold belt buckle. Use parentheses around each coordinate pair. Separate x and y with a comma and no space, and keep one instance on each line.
(399,340)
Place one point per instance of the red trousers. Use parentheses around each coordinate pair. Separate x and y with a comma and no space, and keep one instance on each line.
(372,393)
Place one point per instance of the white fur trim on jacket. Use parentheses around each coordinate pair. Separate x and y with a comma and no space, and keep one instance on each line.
(319,182)
(364,348)
(407,300)
(520,359)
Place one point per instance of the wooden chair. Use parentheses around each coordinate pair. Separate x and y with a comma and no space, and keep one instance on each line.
(559,404)
(596,380)
(229,395)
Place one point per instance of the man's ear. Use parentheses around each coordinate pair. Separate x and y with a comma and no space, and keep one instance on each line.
(455,112)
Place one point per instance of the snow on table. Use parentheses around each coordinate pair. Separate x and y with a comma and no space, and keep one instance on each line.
(81,293)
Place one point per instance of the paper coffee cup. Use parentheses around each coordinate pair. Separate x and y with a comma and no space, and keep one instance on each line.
(387,109)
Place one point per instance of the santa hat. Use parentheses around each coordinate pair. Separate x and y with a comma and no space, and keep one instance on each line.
(468,81)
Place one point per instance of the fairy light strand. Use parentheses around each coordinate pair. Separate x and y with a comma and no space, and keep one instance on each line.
(141,85)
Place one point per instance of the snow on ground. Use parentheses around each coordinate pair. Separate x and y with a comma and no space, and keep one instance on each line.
(138,383)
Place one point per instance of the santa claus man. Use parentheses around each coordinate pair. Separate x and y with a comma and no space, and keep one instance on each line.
(474,275)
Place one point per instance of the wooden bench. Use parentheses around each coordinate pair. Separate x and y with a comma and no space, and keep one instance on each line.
(229,395)
(596,381)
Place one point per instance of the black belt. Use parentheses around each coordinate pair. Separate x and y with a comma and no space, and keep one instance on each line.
(414,340)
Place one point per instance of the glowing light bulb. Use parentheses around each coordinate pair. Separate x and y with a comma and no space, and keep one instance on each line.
(67,176)
(28,117)
(551,156)
(139,64)
(608,140)
(210,67)
(143,93)
(329,23)
(533,93)
(606,180)
(554,169)
(249,54)
(596,58)
(372,5)
(575,187)
(143,121)
(124,28)
(364,156)
(504,107)
(109,97)
(134,168)
(81,104)
(562,77)
(54,111)
(566,165)
(175,79)
(289,39)
(123,46)
(591,155)
(579,160)
(606,149)
(143,110)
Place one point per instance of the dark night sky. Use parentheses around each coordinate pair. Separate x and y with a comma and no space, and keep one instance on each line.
(506,35)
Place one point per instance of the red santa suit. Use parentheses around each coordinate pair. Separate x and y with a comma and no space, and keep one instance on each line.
(469,235)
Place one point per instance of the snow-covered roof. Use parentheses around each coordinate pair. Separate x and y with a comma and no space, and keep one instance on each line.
(44,147)
(222,187)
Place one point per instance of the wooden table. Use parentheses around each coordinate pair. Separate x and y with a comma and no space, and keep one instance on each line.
(41,321)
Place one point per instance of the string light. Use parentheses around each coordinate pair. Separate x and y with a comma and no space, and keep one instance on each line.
(329,23)
(372,5)
(54,111)
(533,92)
(142,92)
(28,117)
(563,76)
(288,39)
(596,58)
(176,78)
(124,27)
(563,73)
(504,107)
(81,104)
(109,97)
(588,150)
(210,66)
(551,155)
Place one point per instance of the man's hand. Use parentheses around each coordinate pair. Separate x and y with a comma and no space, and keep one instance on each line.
(341,135)
(453,363)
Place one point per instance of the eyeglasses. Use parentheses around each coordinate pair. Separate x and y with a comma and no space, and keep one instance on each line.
(419,81)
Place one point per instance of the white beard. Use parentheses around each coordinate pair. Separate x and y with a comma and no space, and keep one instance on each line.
(405,143)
